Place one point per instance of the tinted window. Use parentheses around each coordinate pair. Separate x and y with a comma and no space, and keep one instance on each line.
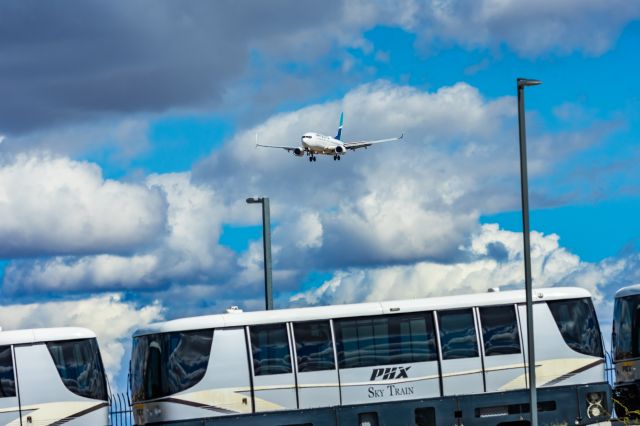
(314,346)
(7,380)
(425,416)
(167,363)
(392,339)
(457,334)
(500,330)
(80,367)
(626,328)
(577,322)
(270,348)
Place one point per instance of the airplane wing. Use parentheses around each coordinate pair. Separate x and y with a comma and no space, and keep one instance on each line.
(363,144)
(288,148)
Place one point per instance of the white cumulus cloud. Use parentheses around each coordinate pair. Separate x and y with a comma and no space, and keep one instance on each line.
(54,205)
(494,260)
(186,250)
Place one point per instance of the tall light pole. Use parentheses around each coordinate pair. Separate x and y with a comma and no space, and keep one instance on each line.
(524,185)
(266,244)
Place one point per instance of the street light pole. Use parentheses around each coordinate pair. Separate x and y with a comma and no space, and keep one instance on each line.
(266,245)
(524,186)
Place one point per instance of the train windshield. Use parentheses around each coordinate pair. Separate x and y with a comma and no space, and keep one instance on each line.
(576,319)
(80,367)
(167,363)
(626,328)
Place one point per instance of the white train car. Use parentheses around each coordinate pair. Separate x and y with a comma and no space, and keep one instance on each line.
(447,360)
(52,376)
(626,349)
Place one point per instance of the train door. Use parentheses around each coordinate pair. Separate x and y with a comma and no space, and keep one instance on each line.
(274,385)
(502,348)
(460,356)
(58,382)
(316,367)
(9,409)
(387,358)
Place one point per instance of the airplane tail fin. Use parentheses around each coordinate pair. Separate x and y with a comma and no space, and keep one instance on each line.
(339,135)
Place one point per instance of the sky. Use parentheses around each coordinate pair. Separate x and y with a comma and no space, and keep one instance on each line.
(127,150)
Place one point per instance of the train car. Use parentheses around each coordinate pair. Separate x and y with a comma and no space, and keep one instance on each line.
(448,360)
(52,376)
(626,350)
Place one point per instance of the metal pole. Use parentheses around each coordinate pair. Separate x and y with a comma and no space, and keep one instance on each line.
(266,242)
(533,398)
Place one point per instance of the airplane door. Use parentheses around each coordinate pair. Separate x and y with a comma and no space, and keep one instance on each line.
(272,371)
(316,366)
(461,363)
(9,409)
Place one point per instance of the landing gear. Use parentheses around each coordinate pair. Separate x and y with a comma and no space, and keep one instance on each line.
(336,157)
(312,158)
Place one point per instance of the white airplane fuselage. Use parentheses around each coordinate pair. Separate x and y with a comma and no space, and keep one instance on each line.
(322,144)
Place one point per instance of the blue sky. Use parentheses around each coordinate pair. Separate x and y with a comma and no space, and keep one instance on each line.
(129,150)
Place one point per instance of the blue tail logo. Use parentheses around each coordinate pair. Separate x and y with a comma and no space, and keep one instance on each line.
(339,135)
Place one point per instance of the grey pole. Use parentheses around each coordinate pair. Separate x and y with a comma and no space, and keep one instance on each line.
(266,245)
(266,242)
(524,185)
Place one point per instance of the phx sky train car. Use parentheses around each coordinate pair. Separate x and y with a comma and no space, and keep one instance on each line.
(51,376)
(448,360)
(626,349)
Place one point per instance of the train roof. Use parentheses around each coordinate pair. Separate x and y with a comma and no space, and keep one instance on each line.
(38,335)
(628,291)
(359,309)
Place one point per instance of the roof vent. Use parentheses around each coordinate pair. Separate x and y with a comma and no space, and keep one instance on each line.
(234,310)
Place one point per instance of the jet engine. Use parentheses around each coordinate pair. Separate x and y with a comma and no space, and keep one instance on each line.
(340,149)
(298,152)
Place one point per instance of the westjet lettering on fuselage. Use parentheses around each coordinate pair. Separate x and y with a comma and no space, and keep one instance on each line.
(313,144)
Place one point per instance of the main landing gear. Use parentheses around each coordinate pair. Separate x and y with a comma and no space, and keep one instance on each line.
(312,158)
(336,157)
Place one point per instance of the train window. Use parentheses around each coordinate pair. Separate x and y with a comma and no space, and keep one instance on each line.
(270,348)
(7,379)
(393,339)
(80,367)
(500,330)
(626,328)
(458,334)
(426,416)
(167,363)
(314,346)
(577,322)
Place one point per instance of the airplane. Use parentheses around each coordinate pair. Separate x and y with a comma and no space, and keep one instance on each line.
(316,143)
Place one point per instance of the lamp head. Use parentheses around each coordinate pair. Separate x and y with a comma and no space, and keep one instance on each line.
(522,82)
(254,200)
